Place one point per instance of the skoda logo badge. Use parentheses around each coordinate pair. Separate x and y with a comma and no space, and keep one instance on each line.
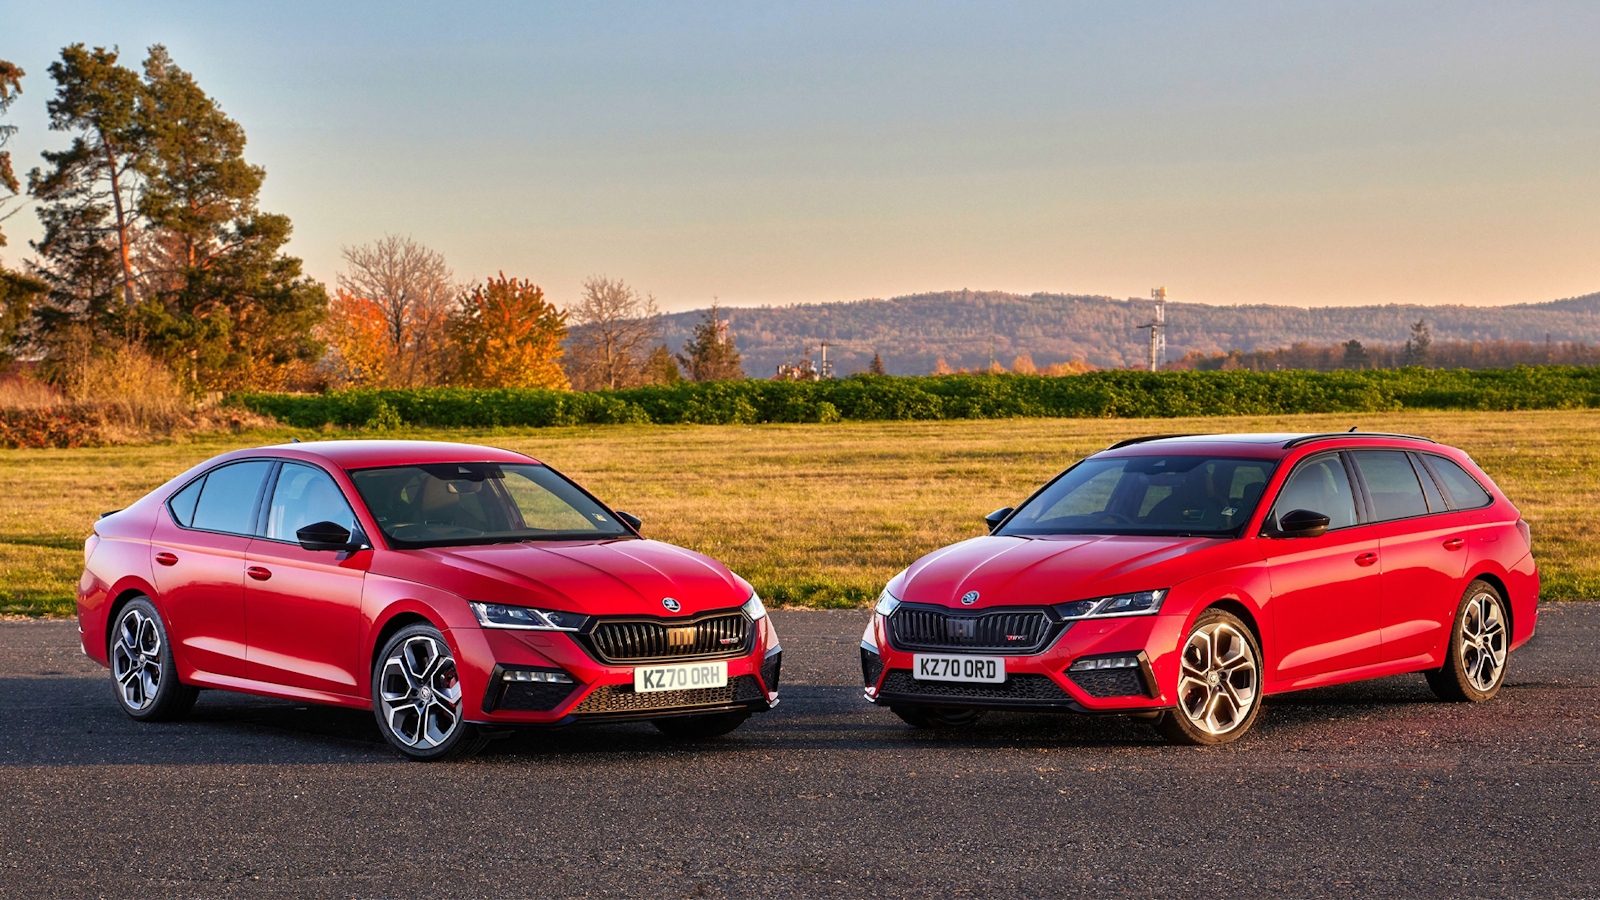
(969,598)
(671,604)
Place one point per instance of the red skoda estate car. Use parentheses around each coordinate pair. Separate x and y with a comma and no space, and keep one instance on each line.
(1185,577)
(455,590)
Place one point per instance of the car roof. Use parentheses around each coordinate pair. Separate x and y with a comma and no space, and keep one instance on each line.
(1261,444)
(366,454)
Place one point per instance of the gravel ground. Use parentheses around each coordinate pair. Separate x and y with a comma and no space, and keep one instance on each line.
(1357,790)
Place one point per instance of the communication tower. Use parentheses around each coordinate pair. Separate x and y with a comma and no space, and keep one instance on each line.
(1158,329)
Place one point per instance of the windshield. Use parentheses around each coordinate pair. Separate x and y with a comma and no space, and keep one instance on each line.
(454,504)
(1159,495)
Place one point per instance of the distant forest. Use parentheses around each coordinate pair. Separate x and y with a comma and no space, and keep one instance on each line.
(968,328)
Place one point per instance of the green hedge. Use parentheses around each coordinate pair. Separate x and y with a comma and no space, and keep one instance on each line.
(1119,393)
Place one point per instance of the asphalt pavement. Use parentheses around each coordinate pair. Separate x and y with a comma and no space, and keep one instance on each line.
(1358,790)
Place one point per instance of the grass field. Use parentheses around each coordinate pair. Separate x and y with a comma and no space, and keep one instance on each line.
(815,515)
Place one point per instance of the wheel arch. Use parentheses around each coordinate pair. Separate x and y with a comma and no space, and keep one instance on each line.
(1246,615)
(1498,584)
(389,628)
(114,609)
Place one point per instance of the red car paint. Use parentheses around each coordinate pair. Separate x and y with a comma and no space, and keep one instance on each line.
(269,617)
(1359,602)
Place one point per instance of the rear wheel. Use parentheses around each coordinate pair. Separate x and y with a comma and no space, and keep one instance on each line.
(416,696)
(142,668)
(1219,682)
(1480,641)
(696,728)
(937,716)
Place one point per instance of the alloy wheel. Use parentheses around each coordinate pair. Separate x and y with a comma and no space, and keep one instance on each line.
(1218,678)
(1483,641)
(136,659)
(421,693)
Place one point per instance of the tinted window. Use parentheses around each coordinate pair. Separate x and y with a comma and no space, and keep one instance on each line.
(480,503)
(1320,486)
(228,500)
(1465,492)
(305,495)
(1429,487)
(182,503)
(1146,495)
(1391,483)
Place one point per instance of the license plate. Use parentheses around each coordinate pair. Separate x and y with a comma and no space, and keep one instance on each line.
(936,667)
(680,678)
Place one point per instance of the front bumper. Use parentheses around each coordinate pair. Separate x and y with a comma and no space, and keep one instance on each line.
(1040,682)
(597,691)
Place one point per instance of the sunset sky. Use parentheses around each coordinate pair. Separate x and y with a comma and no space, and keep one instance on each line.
(1313,154)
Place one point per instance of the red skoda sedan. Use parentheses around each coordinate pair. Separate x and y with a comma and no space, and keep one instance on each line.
(1185,578)
(455,590)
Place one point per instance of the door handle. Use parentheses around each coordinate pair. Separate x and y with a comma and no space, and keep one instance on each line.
(167,559)
(1454,544)
(1366,559)
(258,573)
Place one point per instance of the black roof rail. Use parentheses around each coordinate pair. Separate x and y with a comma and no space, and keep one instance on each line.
(1140,440)
(1332,435)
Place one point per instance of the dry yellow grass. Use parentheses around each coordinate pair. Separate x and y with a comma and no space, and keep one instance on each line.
(814,514)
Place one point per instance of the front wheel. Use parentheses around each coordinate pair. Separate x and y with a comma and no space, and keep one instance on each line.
(936,716)
(696,728)
(1480,639)
(142,668)
(416,696)
(1219,682)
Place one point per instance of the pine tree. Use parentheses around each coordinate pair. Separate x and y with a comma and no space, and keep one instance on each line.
(660,367)
(1418,348)
(1355,355)
(10,87)
(710,354)
(876,368)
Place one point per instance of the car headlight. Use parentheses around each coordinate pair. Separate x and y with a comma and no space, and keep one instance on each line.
(1138,603)
(754,608)
(887,603)
(525,618)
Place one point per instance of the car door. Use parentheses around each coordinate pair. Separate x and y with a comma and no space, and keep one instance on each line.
(1422,549)
(1325,590)
(198,549)
(303,607)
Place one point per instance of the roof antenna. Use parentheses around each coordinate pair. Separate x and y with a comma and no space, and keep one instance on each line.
(1352,429)
(295,440)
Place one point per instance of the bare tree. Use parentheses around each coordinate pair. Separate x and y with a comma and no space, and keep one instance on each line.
(415,290)
(613,329)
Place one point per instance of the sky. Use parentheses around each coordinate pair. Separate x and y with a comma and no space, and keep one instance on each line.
(1331,153)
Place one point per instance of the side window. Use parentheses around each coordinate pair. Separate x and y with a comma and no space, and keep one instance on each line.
(1429,487)
(305,495)
(182,503)
(228,499)
(1391,483)
(1464,490)
(1319,485)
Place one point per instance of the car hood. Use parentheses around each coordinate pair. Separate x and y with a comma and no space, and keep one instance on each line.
(614,577)
(1023,571)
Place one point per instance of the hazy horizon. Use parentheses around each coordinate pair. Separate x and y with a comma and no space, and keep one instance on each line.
(1339,155)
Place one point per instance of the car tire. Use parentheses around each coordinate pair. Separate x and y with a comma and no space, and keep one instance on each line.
(937,716)
(1480,643)
(144,676)
(417,698)
(1219,682)
(696,728)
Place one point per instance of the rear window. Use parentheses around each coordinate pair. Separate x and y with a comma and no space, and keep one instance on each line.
(1464,491)
(1391,483)
(228,498)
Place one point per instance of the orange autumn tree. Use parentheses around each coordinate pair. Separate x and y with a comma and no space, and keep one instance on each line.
(357,332)
(508,335)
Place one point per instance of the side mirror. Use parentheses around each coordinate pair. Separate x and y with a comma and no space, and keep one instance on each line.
(632,520)
(1302,523)
(994,519)
(325,536)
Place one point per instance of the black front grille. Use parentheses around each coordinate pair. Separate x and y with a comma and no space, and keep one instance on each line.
(1004,631)
(770,669)
(722,635)
(1020,686)
(871,667)
(1110,682)
(617,698)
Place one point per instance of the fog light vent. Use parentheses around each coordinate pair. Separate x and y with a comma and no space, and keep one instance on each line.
(533,675)
(1105,662)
